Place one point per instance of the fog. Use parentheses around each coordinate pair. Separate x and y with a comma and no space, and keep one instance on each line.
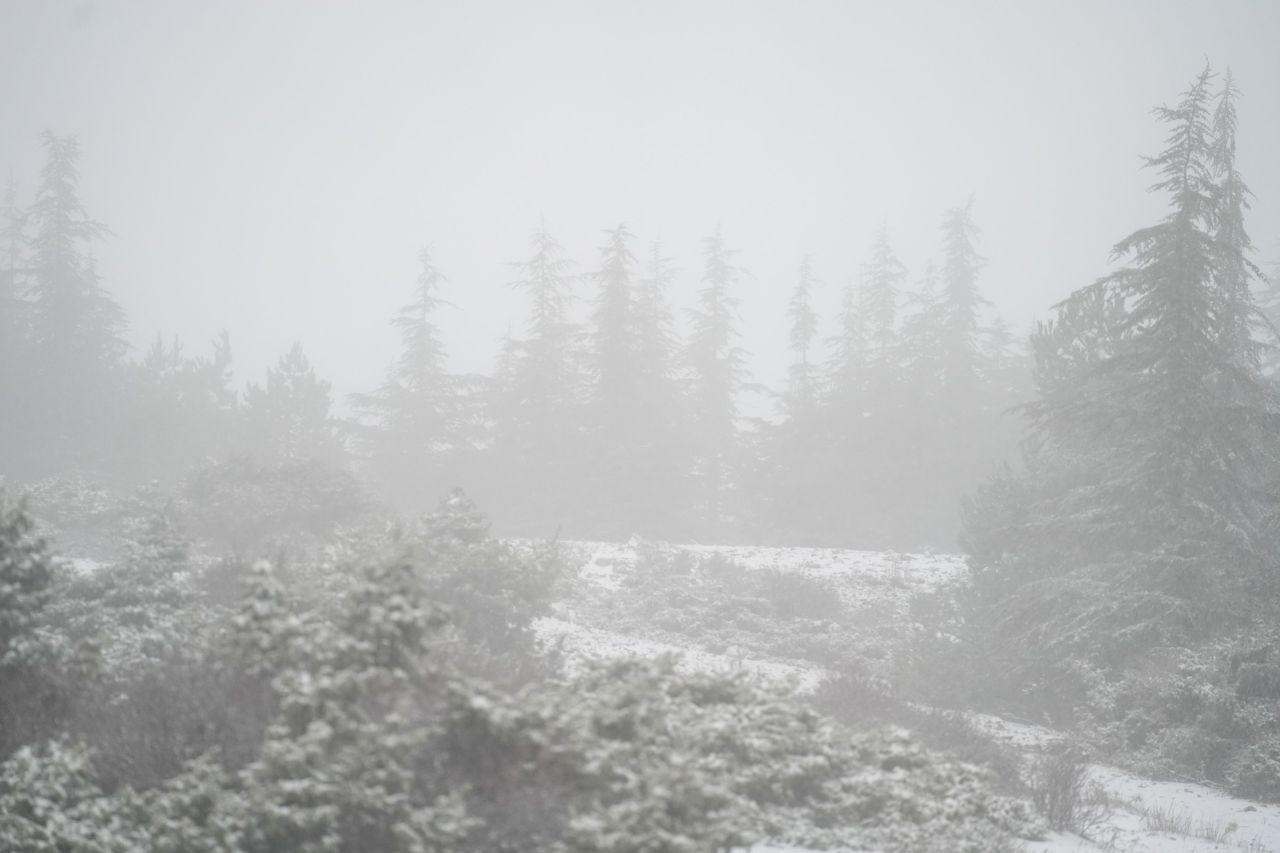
(639,428)
(274,168)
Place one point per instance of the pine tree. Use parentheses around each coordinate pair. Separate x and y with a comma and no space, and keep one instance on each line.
(545,369)
(662,453)
(962,302)
(847,367)
(717,374)
(181,411)
(420,424)
(613,343)
(922,336)
(1234,270)
(1145,508)
(1184,382)
(1269,325)
(612,486)
(535,404)
(878,292)
(77,327)
(792,488)
(288,419)
(12,281)
(801,381)
(13,325)
(655,334)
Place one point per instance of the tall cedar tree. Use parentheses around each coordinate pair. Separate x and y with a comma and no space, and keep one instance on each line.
(419,428)
(13,321)
(962,302)
(801,382)
(535,405)
(655,335)
(76,327)
(717,375)
(12,278)
(789,489)
(881,283)
(613,342)
(1144,510)
(613,481)
(922,335)
(662,449)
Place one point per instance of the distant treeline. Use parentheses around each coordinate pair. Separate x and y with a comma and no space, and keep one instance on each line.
(599,419)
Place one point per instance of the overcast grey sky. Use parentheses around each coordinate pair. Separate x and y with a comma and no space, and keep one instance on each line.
(274,167)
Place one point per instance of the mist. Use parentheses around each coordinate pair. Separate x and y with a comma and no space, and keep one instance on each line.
(252,156)
(673,427)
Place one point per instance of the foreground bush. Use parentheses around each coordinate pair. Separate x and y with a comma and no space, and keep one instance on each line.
(359,721)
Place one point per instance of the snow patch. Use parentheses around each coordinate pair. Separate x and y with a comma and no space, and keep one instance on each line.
(582,644)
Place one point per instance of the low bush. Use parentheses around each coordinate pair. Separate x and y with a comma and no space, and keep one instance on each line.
(798,596)
(1255,770)
(1065,795)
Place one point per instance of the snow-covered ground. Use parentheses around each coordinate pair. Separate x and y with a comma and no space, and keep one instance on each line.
(1172,817)
(859,577)
(582,643)
(1147,816)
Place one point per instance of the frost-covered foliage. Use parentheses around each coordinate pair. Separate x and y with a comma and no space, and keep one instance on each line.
(1140,534)
(492,592)
(50,802)
(26,578)
(648,758)
(1255,770)
(76,512)
(357,722)
(243,505)
(1212,713)
(718,605)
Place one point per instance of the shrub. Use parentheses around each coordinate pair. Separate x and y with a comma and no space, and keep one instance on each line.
(1255,771)
(798,596)
(241,505)
(1065,795)
(1259,680)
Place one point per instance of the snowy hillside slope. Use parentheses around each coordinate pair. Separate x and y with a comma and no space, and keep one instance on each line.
(875,590)
(789,613)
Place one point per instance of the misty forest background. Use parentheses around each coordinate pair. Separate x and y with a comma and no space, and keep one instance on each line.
(1114,479)
(604,417)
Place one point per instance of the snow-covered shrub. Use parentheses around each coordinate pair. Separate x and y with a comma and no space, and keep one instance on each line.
(1190,711)
(1255,770)
(857,698)
(78,513)
(1259,680)
(51,803)
(1065,795)
(31,697)
(797,596)
(492,592)
(26,574)
(954,735)
(347,763)
(197,811)
(242,505)
(649,758)
(264,629)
